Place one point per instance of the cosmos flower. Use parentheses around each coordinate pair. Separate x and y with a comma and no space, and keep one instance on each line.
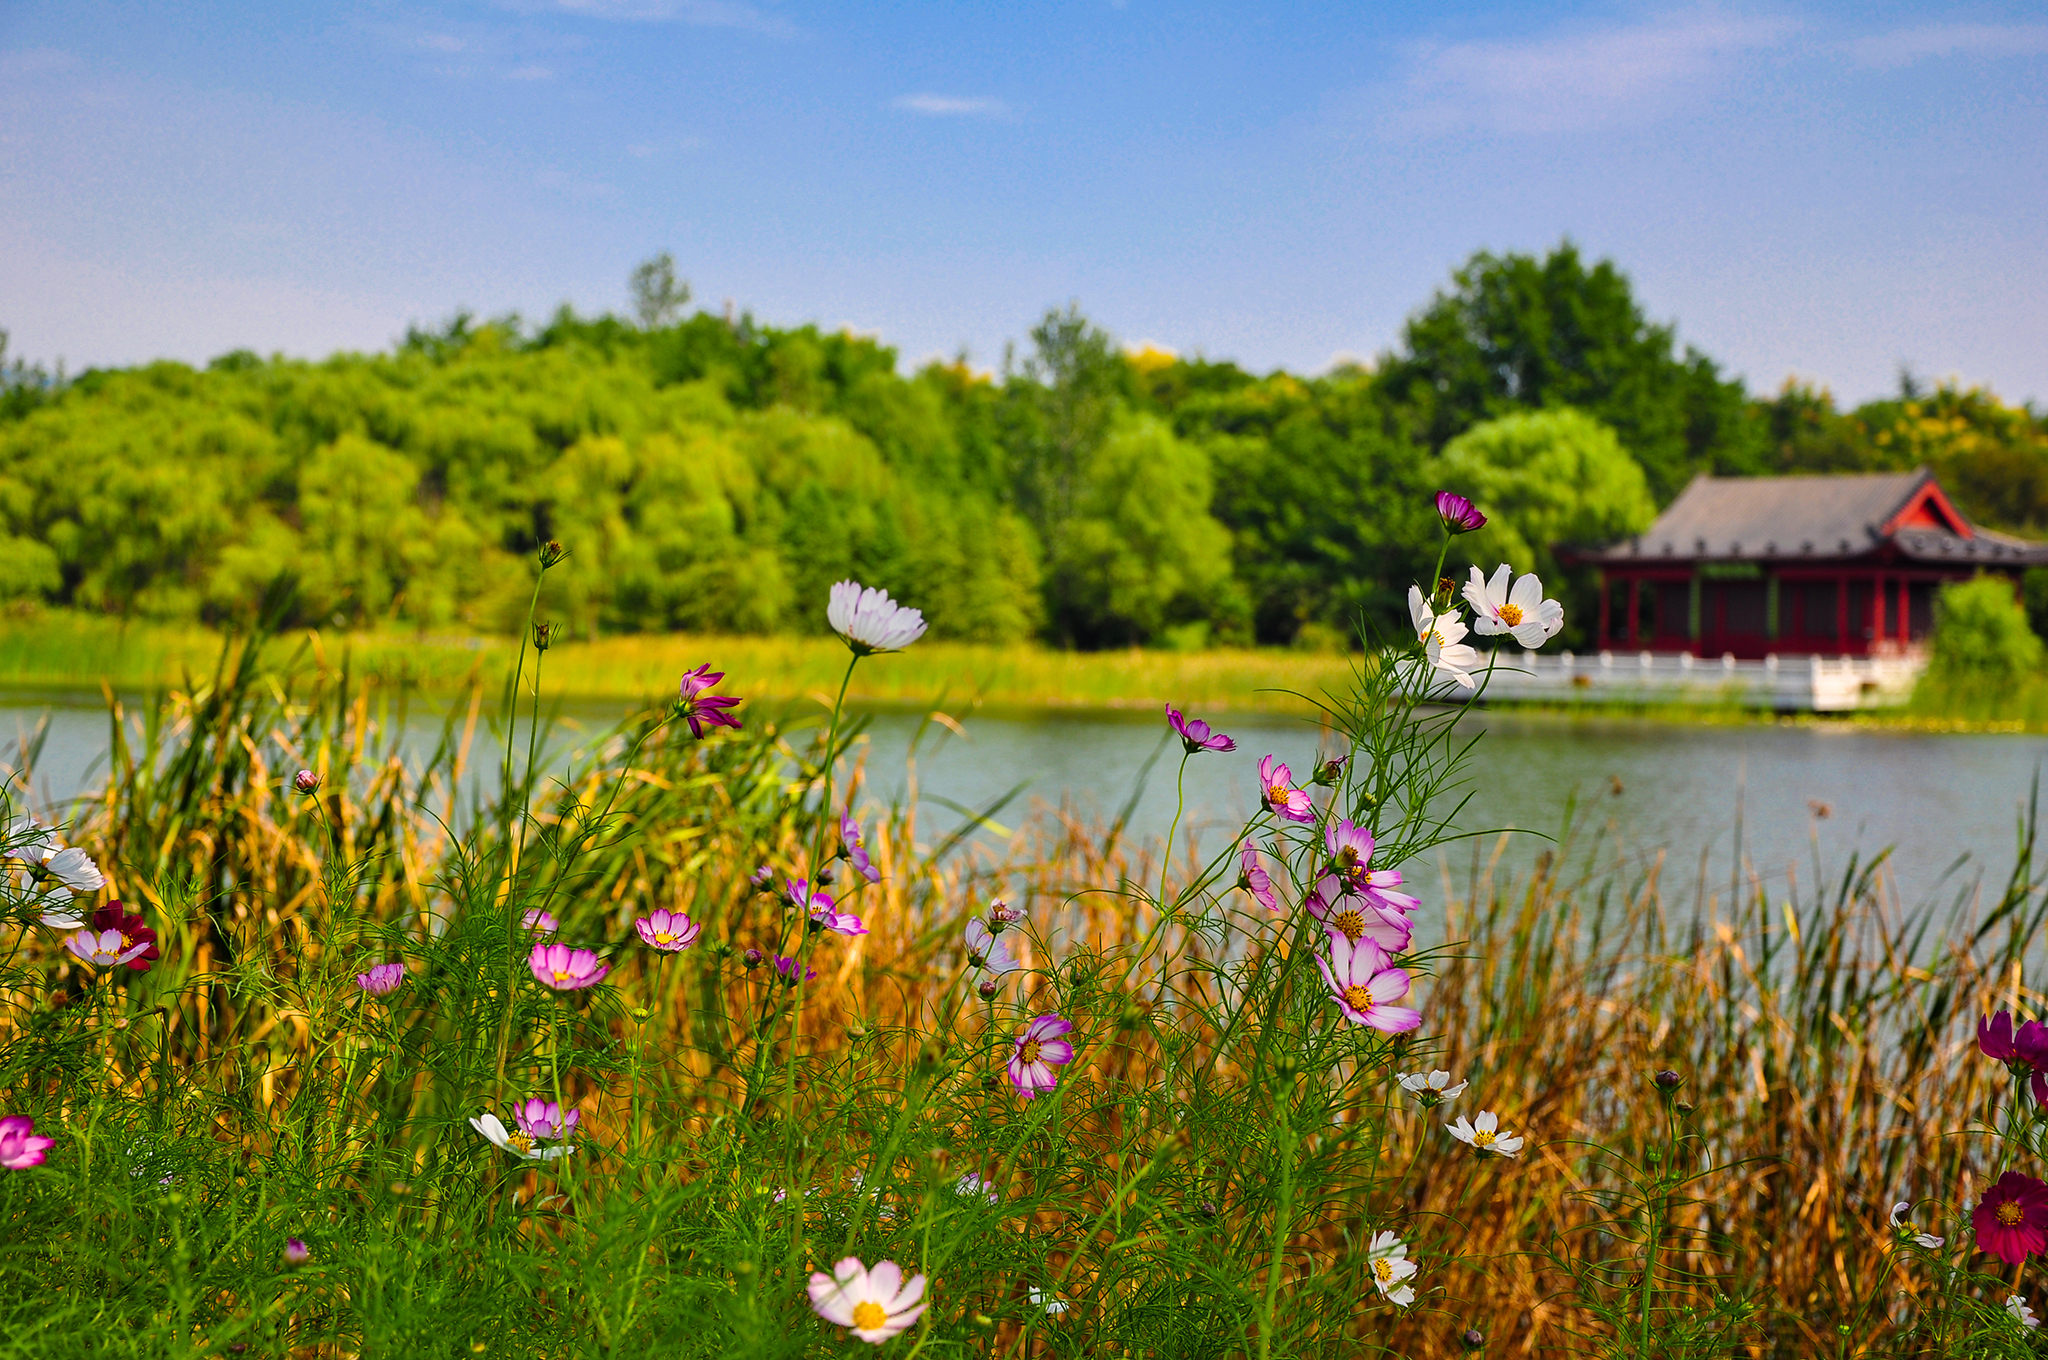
(876,1304)
(102,948)
(786,966)
(986,950)
(1906,1230)
(1277,792)
(382,980)
(1365,986)
(2021,1314)
(1391,1269)
(306,781)
(974,1186)
(1253,878)
(539,1118)
(701,710)
(20,1147)
(1432,1089)
(1522,612)
(870,621)
(1047,1302)
(73,868)
(295,1252)
(1040,1047)
(762,879)
(1195,734)
(114,917)
(1001,916)
(823,912)
(2012,1219)
(852,848)
(1484,1135)
(29,839)
(668,931)
(1355,917)
(2022,1051)
(1458,514)
(1440,636)
(565,969)
(538,922)
(520,1144)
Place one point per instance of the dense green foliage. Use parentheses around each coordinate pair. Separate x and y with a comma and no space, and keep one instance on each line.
(1981,634)
(709,474)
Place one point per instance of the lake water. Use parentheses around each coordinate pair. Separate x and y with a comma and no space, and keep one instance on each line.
(1945,805)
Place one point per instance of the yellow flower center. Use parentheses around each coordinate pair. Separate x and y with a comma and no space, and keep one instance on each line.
(1358,998)
(1384,1269)
(868,1315)
(2010,1214)
(663,937)
(1427,636)
(1278,793)
(519,1143)
(1347,859)
(1511,614)
(1350,923)
(562,976)
(1029,1053)
(1482,1138)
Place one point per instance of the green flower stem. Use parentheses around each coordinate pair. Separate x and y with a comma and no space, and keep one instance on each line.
(1283,1222)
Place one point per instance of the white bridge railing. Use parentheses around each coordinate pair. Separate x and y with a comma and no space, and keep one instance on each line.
(1791,683)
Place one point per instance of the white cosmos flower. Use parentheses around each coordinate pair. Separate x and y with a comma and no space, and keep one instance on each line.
(1431,1089)
(870,621)
(1391,1268)
(985,949)
(2021,1314)
(1051,1304)
(1485,1136)
(1521,612)
(518,1144)
(876,1304)
(29,839)
(1900,1225)
(1439,635)
(972,1185)
(74,869)
(63,920)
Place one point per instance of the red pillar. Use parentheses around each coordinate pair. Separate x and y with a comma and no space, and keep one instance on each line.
(1605,636)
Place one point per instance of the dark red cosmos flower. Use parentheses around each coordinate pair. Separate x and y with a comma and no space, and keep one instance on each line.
(133,932)
(702,710)
(2012,1219)
(2024,1051)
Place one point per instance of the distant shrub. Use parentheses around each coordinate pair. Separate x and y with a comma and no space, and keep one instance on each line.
(1981,633)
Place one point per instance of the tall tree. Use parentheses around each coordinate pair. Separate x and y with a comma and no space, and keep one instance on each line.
(1518,333)
(658,295)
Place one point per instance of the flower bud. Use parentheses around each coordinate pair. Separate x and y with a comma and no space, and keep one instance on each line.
(1330,772)
(306,781)
(543,634)
(987,988)
(763,879)
(1473,1338)
(295,1252)
(1458,514)
(1667,1080)
(551,554)
(752,958)
(825,876)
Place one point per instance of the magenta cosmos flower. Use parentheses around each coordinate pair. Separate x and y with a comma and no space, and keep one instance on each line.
(818,905)
(1195,734)
(1365,985)
(1351,848)
(876,1304)
(1040,1048)
(539,922)
(1459,515)
(1353,917)
(295,1252)
(565,969)
(1253,878)
(103,948)
(701,710)
(2024,1050)
(1277,792)
(539,1118)
(382,979)
(20,1148)
(852,848)
(2012,1218)
(668,931)
(786,966)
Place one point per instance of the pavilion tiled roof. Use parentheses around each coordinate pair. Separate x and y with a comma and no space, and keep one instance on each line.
(1760,519)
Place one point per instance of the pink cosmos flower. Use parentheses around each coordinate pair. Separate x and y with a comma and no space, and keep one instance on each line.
(852,848)
(538,922)
(1459,515)
(1253,878)
(818,905)
(103,948)
(986,950)
(1351,849)
(876,1304)
(539,1118)
(306,781)
(1195,734)
(787,967)
(1001,916)
(668,931)
(1277,792)
(565,969)
(2012,1218)
(20,1148)
(1041,1048)
(701,710)
(114,916)
(1365,986)
(382,979)
(295,1252)
(1353,917)
(762,879)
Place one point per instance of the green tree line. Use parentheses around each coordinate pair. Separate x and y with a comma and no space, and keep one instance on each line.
(716,474)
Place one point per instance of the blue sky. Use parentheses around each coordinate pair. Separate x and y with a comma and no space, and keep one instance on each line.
(1827,191)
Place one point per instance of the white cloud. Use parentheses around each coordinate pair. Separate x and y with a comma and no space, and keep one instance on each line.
(950,106)
(700,13)
(1907,45)
(1586,80)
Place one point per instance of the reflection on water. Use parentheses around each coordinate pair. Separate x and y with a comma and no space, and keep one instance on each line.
(1685,790)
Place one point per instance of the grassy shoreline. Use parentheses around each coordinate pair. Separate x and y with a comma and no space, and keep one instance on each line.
(57,650)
